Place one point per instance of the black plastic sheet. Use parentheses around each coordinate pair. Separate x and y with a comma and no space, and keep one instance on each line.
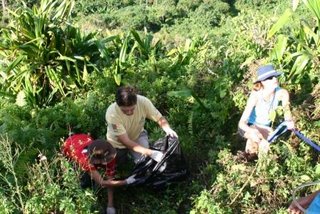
(172,168)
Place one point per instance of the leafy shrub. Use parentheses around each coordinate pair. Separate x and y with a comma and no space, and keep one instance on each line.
(257,187)
(186,5)
(49,186)
(44,60)
(210,13)
(54,187)
(126,18)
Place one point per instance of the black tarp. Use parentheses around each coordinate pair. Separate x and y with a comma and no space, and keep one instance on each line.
(172,168)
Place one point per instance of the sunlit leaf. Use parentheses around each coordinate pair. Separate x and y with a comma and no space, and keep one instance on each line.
(295,4)
(272,115)
(299,64)
(117,79)
(310,32)
(14,63)
(314,7)
(85,75)
(280,46)
(280,23)
(172,51)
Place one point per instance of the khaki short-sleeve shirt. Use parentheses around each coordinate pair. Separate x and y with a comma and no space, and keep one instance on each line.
(119,123)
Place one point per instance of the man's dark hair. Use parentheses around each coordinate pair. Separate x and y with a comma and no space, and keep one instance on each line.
(126,96)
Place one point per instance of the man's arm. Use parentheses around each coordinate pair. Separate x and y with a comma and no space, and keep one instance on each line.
(130,144)
(153,113)
(163,123)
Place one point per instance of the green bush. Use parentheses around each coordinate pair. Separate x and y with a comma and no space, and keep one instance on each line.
(45,60)
(53,186)
(126,18)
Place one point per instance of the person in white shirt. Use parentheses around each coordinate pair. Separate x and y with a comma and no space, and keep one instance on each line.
(266,96)
(125,124)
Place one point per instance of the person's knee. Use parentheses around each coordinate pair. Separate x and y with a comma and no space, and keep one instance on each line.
(251,147)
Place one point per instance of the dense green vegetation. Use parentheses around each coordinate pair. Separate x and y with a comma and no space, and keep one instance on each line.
(61,61)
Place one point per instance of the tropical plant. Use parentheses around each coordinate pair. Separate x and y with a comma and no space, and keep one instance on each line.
(43,58)
(299,50)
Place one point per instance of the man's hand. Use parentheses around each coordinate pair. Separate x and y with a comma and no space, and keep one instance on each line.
(170,132)
(156,155)
(131,179)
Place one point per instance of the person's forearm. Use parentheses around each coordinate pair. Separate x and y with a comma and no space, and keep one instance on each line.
(243,126)
(142,150)
(163,123)
(287,112)
(95,175)
(130,144)
(113,183)
(288,116)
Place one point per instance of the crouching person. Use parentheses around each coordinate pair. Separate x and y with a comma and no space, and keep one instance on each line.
(264,99)
(92,155)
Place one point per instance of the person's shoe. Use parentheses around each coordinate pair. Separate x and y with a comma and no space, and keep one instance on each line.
(111,210)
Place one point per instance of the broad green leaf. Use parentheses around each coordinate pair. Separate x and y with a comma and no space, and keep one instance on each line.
(172,51)
(85,75)
(55,80)
(117,79)
(299,64)
(138,39)
(187,45)
(310,32)
(223,93)
(302,62)
(14,63)
(305,178)
(123,51)
(182,93)
(280,46)
(66,58)
(3,75)
(314,7)
(317,169)
(247,62)
(280,23)
(272,115)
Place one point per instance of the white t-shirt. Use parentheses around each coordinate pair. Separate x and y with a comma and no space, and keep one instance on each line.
(119,123)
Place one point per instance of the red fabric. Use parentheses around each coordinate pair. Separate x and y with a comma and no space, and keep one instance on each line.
(73,149)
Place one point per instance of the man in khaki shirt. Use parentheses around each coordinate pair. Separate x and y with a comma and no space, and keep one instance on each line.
(125,120)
